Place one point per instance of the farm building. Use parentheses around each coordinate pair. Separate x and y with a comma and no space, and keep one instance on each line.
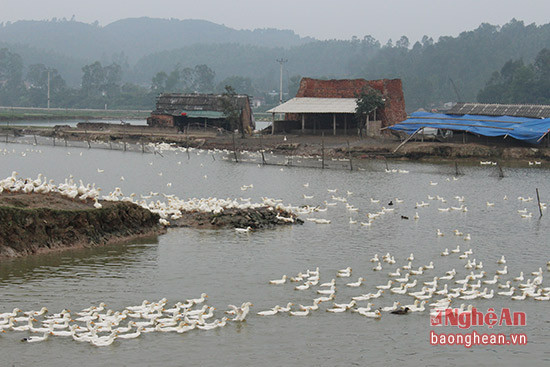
(329,106)
(524,123)
(204,110)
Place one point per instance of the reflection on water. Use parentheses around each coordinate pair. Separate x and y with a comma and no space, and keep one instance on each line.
(233,268)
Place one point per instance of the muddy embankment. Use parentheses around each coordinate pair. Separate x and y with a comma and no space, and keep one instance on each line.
(259,218)
(288,144)
(38,223)
(34,223)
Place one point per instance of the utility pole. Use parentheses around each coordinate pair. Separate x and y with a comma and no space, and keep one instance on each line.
(281,61)
(48,89)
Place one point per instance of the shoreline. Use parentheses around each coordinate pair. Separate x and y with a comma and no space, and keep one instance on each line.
(296,145)
(40,223)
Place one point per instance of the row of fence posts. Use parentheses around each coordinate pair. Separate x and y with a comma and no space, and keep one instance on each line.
(457,172)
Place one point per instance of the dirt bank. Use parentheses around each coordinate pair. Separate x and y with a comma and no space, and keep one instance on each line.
(259,218)
(38,223)
(289,144)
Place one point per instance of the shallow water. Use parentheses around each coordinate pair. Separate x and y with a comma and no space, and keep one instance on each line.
(233,268)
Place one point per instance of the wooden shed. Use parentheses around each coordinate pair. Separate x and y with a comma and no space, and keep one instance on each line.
(188,110)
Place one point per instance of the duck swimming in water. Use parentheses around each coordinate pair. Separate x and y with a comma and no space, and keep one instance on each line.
(402,311)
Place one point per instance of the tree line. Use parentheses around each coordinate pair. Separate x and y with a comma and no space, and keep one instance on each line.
(433,71)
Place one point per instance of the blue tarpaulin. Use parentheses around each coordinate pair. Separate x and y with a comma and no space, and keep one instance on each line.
(521,128)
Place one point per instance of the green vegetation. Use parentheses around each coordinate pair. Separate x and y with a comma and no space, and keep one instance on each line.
(520,83)
(131,61)
(368,101)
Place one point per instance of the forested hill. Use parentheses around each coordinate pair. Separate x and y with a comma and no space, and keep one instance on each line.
(158,56)
(135,37)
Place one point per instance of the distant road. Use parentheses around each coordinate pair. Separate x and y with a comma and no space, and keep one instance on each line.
(42,109)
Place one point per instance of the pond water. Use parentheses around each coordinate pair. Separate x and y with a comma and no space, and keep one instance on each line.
(233,268)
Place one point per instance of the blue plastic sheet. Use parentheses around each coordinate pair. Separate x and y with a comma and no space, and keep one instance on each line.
(522,128)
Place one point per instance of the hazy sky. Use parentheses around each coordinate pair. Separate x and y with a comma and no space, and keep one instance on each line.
(321,19)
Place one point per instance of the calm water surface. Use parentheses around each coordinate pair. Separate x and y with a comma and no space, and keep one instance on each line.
(234,268)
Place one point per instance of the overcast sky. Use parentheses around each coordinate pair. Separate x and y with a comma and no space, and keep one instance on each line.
(342,19)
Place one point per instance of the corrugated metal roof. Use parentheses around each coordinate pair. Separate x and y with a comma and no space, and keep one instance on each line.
(517,110)
(317,105)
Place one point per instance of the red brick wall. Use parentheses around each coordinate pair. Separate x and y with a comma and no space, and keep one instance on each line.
(391,89)
(160,121)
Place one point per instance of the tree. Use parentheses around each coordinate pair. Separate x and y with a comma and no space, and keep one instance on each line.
(231,110)
(294,85)
(158,83)
(37,77)
(11,72)
(367,101)
(204,79)
(240,84)
(93,78)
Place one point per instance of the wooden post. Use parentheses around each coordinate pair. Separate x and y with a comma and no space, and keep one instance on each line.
(53,140)
(124,146)
(142,147)
(500,172)
(349,155)
(187,142)
(386,161)
(303,123)
(322,150)
(538,200)
(35,142)
(273,123)
(235,148)
(456,169)
(346,124)
(262,149)
(333,124)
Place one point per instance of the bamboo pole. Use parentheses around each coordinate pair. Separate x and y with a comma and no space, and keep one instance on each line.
(538,200)
(234,147)
(323,150)
(187,142)
(262,149)
(349,155)
(408,138)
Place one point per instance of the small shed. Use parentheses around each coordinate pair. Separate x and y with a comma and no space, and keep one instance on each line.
(185,110)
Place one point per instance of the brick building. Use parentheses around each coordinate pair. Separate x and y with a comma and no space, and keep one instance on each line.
(322,105)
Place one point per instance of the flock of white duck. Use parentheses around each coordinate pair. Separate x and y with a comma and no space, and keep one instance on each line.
(442,291)
(101,327)
(423,286)
(172,208)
